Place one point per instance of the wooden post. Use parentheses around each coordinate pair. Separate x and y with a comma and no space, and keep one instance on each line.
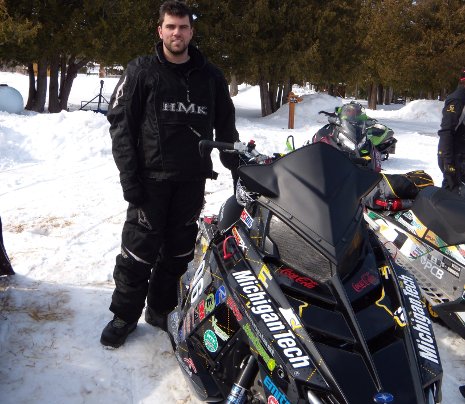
(292,100)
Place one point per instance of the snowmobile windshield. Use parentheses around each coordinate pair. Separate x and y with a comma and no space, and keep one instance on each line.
(351,135)
(317,188)
(353,112)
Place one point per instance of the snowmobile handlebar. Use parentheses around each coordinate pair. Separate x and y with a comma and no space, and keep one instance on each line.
(245,149)
(328,113)
(206,146)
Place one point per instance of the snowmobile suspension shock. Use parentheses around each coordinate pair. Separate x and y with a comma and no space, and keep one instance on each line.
(245,379)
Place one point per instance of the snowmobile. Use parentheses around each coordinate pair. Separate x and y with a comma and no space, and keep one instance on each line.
(380,135)
(350,138)
(425,233)
(293,299)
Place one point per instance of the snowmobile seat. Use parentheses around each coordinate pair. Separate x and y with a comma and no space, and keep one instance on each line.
(443,212)
(230,213)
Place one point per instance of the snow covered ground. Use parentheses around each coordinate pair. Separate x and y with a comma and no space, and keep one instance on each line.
(62,211)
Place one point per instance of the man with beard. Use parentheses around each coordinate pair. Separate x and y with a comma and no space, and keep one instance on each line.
(161,108)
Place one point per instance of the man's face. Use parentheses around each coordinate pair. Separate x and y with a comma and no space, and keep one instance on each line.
(176,33)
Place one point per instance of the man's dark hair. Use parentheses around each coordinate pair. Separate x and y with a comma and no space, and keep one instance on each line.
(176,8)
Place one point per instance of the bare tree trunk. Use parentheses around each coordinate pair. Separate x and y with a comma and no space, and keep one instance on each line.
(101,71)
(279,96)
(331,89)
(265,98)
(341,91)
(287,88)
(443,94)
(273,91)
(372,92)
(39,104)
(53,100)
(388,95)
(31,98)
(233,90)
(71,73)
(62,72)
(380,91)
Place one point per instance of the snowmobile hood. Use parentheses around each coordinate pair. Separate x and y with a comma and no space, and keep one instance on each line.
(317,185)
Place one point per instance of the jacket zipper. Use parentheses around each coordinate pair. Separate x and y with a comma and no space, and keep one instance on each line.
(193,130)
(187,85)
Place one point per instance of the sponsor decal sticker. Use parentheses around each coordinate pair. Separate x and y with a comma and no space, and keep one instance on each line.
(246,218)
(239,240)
(210,341)
(276,393)
(432,265)
(383,398)
(264,275)
(218,330)
(183,365)
(272,400)
(385,271)
(201,309)
(270,362)
(233,306)
(220,295)
(366,280)
(190,364)
(262,308)
(197,285)
(420,323)
(301,280)
(399,316)
(209,303)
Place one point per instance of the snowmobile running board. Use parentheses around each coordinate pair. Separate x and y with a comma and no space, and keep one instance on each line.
(440,305)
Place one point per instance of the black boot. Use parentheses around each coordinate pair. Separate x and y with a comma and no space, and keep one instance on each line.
(462,390)
(116,331)
(155,319)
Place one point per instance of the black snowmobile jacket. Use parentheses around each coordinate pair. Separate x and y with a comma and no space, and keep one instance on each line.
(452,132)
(158,114)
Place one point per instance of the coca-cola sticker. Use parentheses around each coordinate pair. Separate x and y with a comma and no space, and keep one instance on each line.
(366,280)
(301,280)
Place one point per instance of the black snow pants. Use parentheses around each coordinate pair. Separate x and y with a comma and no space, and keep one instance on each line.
(158,241)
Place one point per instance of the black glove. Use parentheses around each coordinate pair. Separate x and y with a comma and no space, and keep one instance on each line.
(134,193)
(229,160)
(450,177)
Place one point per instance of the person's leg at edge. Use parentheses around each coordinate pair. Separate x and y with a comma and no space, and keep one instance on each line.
(142,237)
(176,253)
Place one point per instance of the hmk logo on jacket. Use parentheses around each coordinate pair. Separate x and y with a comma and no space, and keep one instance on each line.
(180,107)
